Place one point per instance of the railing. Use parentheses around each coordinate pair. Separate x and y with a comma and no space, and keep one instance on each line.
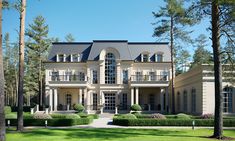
(141,78)
(79,78)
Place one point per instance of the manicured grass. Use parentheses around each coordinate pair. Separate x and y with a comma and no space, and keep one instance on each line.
(114,135)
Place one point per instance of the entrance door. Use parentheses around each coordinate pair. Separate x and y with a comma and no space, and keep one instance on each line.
(109,101)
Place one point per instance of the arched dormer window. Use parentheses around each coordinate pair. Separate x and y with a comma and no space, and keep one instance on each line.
(110,68)
(145,57)
(159,57)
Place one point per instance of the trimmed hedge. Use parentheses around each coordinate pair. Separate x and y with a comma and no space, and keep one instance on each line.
(53,122)
(169,122)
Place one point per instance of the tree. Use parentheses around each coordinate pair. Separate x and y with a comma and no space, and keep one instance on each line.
(69,38)
(222,14)
(3,4)
(171,22)
(201,55)
(20,125)
(183,61)
(37,49)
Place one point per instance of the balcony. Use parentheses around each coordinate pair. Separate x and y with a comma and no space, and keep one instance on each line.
(70,80)
(149,80)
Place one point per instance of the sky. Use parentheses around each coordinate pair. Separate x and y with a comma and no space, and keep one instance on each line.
(89,20)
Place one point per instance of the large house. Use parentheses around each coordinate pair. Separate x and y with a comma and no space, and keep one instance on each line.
(106,75)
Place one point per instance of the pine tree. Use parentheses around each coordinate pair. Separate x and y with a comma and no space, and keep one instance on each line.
(183,61)
(37,49)
(222,14)
(171,22)
(20,125)
(201,54)
(69,38)
(3,4)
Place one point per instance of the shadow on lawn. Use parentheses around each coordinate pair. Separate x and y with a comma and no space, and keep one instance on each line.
(100,134)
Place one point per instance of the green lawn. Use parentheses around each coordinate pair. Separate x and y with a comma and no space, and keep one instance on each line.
(114,135)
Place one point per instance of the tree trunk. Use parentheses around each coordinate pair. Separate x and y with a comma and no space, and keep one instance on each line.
(218,124)
(172,65)
(20,125)
(2,114)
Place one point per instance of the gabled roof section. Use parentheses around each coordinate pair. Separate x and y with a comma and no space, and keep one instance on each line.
(127,50)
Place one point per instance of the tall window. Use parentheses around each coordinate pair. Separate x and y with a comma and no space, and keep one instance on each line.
(124,101)
(159,58)
(152,76)
(125,76)
(110,69)
(185,99)
(55,76)
(95,101)
(227,99)
(178,102)
(69,99)
(193,106)
(94,77)
(145,57)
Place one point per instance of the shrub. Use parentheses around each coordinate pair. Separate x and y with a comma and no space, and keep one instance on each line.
(207,116)
(83,115)
(27,116)
(11,116)
(127,116)
(60,116)
(7,109)
(72,116)
(182,116)
(41,116)
(136,107)
(157,116)
(79,107)
(169,122)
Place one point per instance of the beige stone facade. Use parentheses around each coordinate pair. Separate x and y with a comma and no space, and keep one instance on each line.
(194,92)
(112,81)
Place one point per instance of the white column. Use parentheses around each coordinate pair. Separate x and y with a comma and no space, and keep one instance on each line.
(132,96)
(136,95)
(162,99)
(118,73)
(55,99)
(50,99)
(80,96)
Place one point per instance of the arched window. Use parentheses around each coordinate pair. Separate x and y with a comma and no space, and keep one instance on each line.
(227,100)
(110,68)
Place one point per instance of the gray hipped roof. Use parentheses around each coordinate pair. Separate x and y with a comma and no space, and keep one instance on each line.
(127,50)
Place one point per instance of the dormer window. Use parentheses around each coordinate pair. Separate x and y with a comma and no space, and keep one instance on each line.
(145,57)
(60,57)
(75,58)
(159,57)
